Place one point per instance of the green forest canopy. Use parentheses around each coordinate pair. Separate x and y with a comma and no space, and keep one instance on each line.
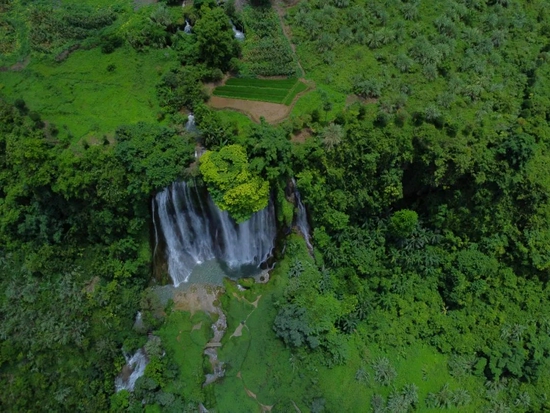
(422,158)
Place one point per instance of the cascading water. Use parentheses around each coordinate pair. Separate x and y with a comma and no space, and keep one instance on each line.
(301,216)
(238,34)
(136,364)
(199,151)
(195,230)
(190,125)
(187,29)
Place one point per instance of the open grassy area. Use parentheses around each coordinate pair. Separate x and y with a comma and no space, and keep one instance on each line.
(184,337)
(91,93)
(266,90)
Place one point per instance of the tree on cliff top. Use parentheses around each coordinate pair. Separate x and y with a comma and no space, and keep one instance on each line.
(232,186)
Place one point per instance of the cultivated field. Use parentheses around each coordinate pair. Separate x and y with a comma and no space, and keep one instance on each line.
(266,90)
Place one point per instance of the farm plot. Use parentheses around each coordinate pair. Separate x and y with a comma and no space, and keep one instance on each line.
(266,90)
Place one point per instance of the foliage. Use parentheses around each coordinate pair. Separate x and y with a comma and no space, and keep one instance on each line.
(384,373)
(84,99)
(180,88)
(270,151)
(403,223)
(72,232)
(332,136)
(291,325)
(427,191)
(154,156)
(55,29)
(266,51)
(215,41)
(233,187)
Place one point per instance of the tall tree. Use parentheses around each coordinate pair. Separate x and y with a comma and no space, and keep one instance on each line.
(217,44)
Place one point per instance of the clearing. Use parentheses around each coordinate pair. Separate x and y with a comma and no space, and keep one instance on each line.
(234,95)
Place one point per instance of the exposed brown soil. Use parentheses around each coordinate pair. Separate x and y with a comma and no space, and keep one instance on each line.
(301,136)
(90,286)
(210,86)
(66,53)
(272,112)
(197,298)
(238,331)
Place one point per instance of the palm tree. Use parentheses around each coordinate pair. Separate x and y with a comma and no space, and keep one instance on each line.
(410,393)
(332,136)
(384,373)
(378,404)
(461,398)
(403,62)
(410,11)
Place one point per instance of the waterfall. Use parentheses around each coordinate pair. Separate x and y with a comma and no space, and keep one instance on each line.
(188,27)
(136,364)
(238,34)
(195,230)
(156,231)
(190,125)
(199,151)
(301,216)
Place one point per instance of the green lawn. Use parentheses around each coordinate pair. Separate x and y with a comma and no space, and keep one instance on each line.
(266,90)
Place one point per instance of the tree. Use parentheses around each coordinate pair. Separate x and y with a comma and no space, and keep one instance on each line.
(291,325)
(403,223)
(332,136)
(231,184)
(216,42)
(270,150)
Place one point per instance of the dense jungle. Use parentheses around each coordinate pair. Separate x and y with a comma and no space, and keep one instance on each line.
(380,167)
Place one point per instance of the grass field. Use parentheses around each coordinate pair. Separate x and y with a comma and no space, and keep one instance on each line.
(266,90)
(91,93)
